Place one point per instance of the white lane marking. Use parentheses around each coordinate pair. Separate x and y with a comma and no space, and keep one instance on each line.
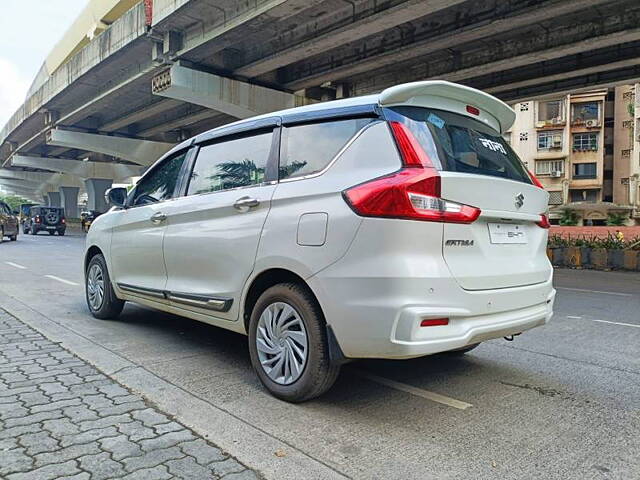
(617,323)
(21,267)
(435,397)
(573,318)
(53,277)
(595,291)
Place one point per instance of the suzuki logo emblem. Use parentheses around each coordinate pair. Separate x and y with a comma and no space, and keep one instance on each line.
(519,200)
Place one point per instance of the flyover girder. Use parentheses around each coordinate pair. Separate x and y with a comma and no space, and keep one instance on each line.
(82,169)
(471,50)
(231,97)
(142,152)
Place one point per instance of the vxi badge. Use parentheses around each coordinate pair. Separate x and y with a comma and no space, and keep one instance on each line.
(459,243)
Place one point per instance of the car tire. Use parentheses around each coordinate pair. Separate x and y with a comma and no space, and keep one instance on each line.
(51,232)
(13,238)
(305,320)
(61,233)
(462,351)
(108,306)
(33,231)
(1,234)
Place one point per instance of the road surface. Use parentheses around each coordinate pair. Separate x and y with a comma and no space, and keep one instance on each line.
(562,401)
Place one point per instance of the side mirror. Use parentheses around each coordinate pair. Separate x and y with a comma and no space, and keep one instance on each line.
(116,196)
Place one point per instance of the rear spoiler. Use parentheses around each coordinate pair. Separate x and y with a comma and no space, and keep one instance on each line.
(417,94)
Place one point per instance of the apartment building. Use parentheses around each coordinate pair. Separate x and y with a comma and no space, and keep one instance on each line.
(584,148)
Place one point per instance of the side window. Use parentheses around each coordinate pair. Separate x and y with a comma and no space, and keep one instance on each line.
(231,164)
(160,184)
(307,149)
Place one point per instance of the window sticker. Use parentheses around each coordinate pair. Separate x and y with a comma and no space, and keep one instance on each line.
(435,120)
(491,145)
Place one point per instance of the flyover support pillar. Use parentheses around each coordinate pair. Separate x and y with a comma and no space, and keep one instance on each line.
(54,199)
(69,197)
(96,188)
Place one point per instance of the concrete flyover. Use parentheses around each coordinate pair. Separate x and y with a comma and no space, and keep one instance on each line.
(158,71)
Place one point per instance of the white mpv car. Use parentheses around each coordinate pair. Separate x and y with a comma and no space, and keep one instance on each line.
(391,226)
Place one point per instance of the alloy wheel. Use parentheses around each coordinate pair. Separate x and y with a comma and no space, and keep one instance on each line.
(95,286)
(282,343)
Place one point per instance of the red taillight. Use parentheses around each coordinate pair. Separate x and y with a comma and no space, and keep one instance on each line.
(64,220)
(535,181)
(37,219)
(434,322)
(473,110)
(413,155)
(412,193)
(543,222)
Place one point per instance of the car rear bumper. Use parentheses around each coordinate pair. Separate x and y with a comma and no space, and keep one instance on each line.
(394,276)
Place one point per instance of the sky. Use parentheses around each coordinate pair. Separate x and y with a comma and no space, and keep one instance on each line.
(28,31)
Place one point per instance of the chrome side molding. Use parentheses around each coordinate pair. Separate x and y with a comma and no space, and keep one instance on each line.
(142,291)
(209,302)
(203,301)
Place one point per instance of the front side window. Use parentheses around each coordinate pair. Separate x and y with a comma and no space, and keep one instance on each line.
(308,149)
(160,183)
(550,140)
(584,142)
(240,162)
(584,170)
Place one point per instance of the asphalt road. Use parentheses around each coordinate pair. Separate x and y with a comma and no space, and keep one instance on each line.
(562,401)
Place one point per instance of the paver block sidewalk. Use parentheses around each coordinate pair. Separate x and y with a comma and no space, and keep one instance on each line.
(62,418)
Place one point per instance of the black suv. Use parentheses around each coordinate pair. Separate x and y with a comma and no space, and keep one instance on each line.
(40,219)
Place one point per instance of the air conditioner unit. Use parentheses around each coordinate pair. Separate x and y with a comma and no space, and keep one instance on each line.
(591,123)
(556,174)
(557,143)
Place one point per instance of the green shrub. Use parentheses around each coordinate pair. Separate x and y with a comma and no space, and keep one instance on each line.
(569,218)
(616,219)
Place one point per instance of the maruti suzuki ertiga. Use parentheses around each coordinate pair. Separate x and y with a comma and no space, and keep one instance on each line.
(391,226)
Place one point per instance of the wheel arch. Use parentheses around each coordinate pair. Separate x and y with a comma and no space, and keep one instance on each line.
(266,279)
(92,251)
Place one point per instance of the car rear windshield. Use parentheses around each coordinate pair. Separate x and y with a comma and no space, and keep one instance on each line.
(457,143)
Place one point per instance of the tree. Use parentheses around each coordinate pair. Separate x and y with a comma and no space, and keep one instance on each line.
(14,201)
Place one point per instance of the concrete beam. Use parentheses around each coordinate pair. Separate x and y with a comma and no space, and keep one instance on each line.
(19,183)
(41,177)
(232,97)
(451,40)
(142,152)
(313,45)
(181,122)
(79,168)
(545,55)
(145,113)
(237,21)
(564,75)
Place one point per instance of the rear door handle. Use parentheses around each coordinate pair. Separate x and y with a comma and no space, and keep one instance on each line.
(158,217)
(245,203)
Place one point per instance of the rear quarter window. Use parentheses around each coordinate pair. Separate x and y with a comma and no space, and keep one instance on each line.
(461,144)
(309,148)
